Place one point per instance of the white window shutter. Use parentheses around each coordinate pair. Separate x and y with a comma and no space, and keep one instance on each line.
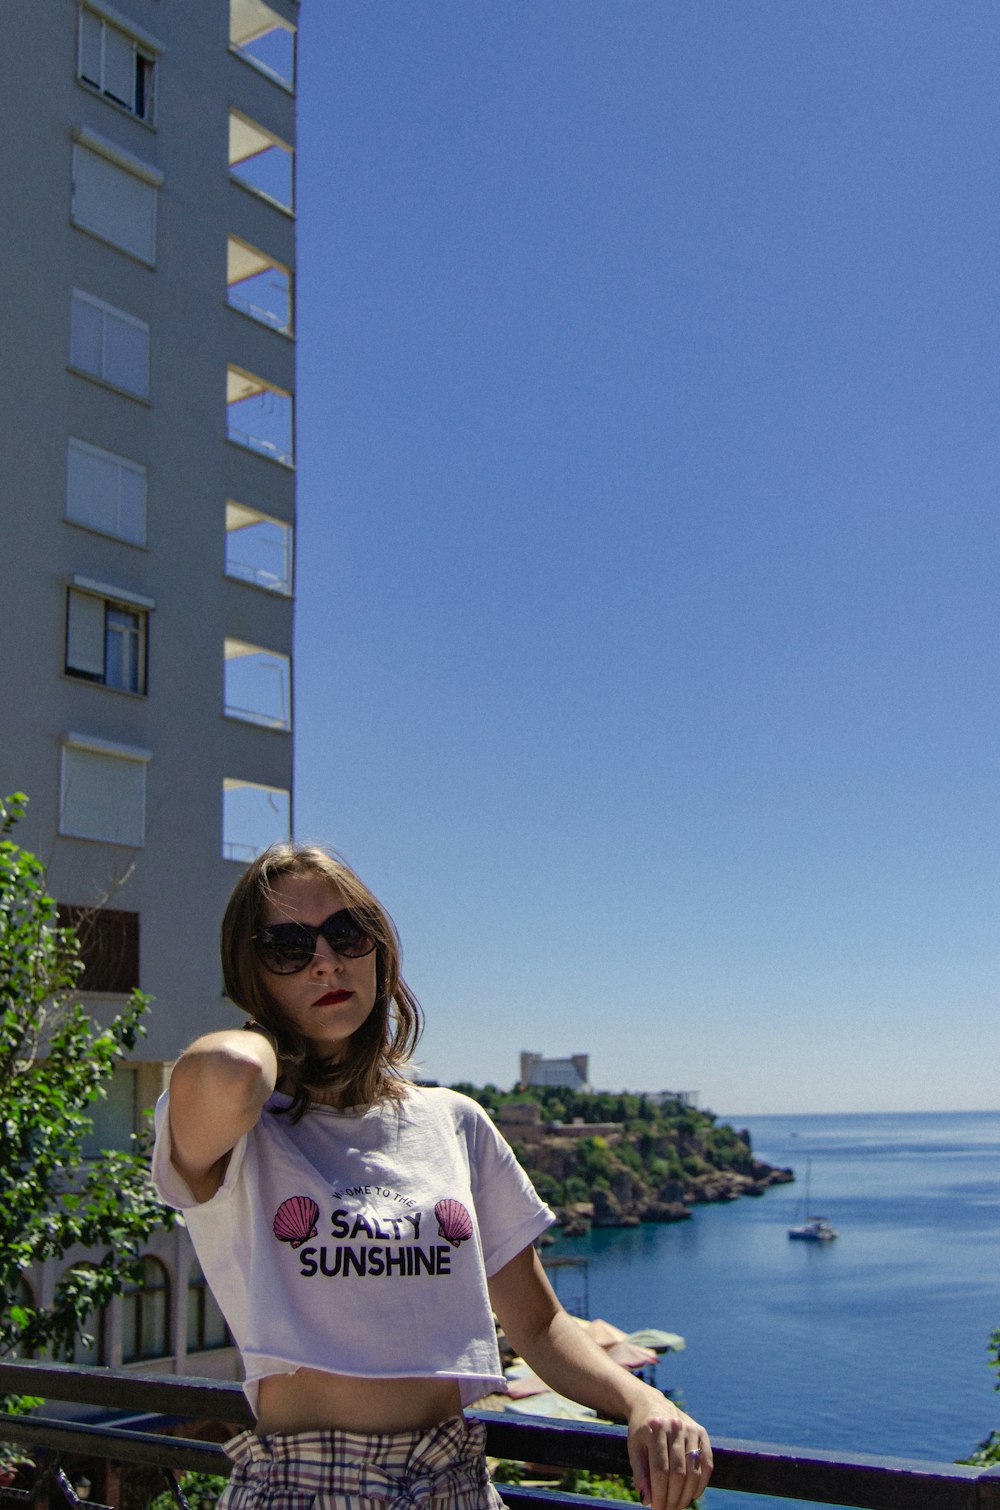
(90,47)
(85,634)
(86,330)
(103,797)
(119,67)
(91,489)
(114,203)
(126,354)
(132,506)
(106,492)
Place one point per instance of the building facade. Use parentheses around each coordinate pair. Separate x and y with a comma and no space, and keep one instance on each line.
(148,493)
(148,497)
(569,1073)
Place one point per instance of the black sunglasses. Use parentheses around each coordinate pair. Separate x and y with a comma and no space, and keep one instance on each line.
(286,948)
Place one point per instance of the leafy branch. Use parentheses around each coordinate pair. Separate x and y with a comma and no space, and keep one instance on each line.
(55,1063)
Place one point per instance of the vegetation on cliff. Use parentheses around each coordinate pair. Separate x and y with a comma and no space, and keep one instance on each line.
(608,1160)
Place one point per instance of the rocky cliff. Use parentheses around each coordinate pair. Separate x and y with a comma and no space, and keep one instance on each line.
(615,1161)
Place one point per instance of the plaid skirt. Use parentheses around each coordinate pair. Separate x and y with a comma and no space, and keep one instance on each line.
(440,1469)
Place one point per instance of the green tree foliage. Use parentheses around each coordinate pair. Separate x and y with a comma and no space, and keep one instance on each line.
(197,1489)
(726,1149)
(55,1060)
(594,1161)
(609,1486)
(605,1486)
(988,1452)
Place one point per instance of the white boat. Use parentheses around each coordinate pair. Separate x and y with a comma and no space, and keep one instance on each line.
(815,1229)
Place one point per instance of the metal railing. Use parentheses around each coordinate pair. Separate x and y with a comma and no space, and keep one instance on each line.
(245,571)
(260,445)
(231,850)
(255,716)
(272,318)
(874,1483)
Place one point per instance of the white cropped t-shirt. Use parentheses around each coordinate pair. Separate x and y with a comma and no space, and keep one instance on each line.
(360,1242)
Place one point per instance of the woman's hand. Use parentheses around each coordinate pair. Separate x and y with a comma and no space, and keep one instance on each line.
(670,1453)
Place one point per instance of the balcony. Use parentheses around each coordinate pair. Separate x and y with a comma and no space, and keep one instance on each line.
(259,286)
(258,685)
(259,416)
(264,39)
(261,162)
(254,815)
(141,1460)
(258,548)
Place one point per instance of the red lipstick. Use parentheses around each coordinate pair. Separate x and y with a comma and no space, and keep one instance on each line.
(332,998)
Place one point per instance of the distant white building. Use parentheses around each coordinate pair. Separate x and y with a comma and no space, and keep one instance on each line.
(571,1073)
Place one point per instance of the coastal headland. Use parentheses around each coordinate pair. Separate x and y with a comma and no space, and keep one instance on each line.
(602,1159)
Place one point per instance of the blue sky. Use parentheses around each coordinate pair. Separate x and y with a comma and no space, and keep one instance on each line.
(648,461)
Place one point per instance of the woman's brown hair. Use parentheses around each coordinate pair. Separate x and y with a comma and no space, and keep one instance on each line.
(372,1069)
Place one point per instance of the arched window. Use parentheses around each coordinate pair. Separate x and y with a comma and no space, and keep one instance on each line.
(146,1314)
(206,1325)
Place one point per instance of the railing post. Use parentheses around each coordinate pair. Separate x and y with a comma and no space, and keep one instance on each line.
(112,1484)
(42,1485)
(138,1484)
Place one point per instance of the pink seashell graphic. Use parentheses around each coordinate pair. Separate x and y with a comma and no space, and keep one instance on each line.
(295,1220)
(454,1222)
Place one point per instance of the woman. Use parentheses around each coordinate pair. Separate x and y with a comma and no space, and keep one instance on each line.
(359,1231)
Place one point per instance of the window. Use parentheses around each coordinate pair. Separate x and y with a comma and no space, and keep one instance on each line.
(107,343)
(258,548)
(103,791)
(114,195)
(106,635)
(116,64)
(206,1325)
(114,1118)
(109,948)
(106,492)
(258,685)
(259,286)
(262,38)
(261,161)
(253,816)
(146,1314)
(259,416)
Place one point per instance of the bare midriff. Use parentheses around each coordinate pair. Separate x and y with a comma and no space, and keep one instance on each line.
(311,1399)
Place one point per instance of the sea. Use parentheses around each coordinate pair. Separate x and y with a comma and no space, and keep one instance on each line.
(873,1343)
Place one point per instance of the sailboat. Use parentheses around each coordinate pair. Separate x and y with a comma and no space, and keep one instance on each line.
(815,1229)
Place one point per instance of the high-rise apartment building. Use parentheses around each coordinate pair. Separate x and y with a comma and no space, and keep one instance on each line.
(147,501)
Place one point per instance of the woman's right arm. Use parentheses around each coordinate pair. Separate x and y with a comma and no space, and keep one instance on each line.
(217,1092)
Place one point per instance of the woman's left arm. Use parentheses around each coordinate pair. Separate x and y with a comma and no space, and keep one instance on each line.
(670,1453)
